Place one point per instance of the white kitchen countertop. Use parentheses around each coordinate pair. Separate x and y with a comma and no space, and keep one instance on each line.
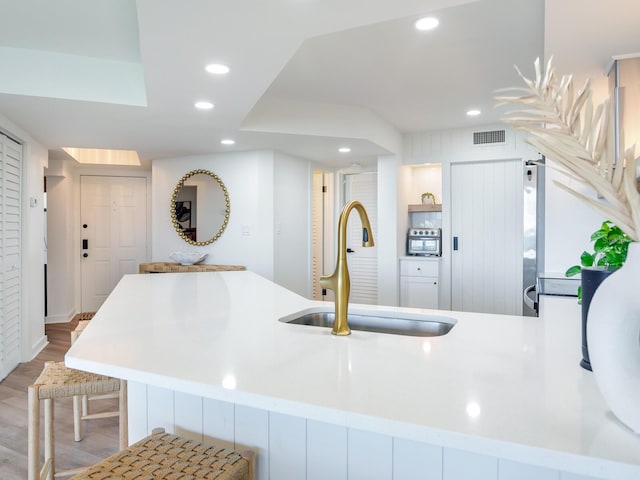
(499,385)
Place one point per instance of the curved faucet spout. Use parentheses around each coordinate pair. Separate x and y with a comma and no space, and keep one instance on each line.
(339,280)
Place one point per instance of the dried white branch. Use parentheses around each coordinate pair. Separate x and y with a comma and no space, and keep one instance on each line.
(564,128)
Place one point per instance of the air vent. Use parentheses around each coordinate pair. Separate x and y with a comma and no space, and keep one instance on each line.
(489,138)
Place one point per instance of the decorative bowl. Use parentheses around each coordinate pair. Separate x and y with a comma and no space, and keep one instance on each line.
(187,258)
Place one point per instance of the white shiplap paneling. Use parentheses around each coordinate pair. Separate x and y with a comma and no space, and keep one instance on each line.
(486,218)
(287,446)
(326,441)
(370,456)
(218,420)
(291,447)
(252,430)
(416,461)
(462,465)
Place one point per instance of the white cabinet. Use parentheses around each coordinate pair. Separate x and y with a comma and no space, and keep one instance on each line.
(419,280)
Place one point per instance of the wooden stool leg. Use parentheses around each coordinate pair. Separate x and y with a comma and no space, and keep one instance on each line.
(77,423)
(85,405)
(49,448)
(33,466)
(123,420)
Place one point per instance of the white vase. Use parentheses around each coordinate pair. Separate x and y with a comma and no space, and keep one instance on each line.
(613,331)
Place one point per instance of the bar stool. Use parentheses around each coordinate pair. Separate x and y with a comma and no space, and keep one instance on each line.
(75,333)
(58,381)
(81,402)
(167,456)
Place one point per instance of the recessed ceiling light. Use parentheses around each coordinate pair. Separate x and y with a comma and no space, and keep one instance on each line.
(473,113)
(217,69)
(344,150)
(426,23)
(227,141)
(204,105)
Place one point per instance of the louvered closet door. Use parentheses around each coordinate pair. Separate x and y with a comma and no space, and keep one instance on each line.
(316,236)
(363,261)
(10,241)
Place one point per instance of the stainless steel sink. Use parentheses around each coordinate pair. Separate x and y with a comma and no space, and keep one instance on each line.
(425,326)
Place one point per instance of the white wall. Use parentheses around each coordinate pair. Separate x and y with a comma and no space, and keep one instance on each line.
(292,223)
(405,197)
(61,283)
(389,224)
(35,158)
(426,178)
(248,238)
(569,223)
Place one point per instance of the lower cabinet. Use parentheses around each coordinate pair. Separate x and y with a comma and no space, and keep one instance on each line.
(419,280)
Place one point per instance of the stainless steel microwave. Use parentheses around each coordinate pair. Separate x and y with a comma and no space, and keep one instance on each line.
(424,241)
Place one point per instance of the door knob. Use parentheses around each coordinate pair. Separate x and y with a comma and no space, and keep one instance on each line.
(350,250)
(85,255)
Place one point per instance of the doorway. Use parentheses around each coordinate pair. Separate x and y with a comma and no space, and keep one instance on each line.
(362,262)
(113,234)
(322,229)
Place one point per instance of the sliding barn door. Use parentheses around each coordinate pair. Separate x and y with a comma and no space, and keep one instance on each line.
(486,219)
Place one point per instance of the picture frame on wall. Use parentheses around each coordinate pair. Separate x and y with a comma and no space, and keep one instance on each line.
(183,213)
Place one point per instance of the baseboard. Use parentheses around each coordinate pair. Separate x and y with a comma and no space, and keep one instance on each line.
(38,347)
(63,318)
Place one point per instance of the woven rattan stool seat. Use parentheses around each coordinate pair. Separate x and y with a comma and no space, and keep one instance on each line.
(57,381)
(82,324)
(167,456)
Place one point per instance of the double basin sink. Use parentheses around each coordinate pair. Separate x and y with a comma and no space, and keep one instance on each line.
(392,322)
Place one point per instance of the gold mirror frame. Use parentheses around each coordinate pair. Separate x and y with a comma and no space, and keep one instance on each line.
(172,210)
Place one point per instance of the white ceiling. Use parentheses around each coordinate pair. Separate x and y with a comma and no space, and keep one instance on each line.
(308,76)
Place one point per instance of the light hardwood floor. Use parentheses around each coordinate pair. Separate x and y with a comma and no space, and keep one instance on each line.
(101,435)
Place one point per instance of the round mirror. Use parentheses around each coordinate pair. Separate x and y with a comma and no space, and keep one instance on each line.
(200,207)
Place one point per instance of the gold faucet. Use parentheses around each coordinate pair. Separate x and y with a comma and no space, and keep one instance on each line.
(339,281)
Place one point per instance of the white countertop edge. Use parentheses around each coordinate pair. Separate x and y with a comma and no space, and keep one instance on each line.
(547,458)
(421,257)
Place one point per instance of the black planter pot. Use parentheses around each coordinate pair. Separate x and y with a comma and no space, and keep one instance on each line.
(592,277)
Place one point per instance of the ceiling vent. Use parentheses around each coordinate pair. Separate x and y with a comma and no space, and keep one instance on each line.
(492,137)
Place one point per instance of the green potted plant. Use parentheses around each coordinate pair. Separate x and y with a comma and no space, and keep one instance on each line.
(609,253)
(428,197)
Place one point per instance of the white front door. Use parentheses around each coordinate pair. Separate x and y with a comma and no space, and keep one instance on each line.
(486,226)
(113,233)
(363,261)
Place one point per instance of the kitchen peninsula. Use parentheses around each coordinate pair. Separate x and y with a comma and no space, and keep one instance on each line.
(498,397)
